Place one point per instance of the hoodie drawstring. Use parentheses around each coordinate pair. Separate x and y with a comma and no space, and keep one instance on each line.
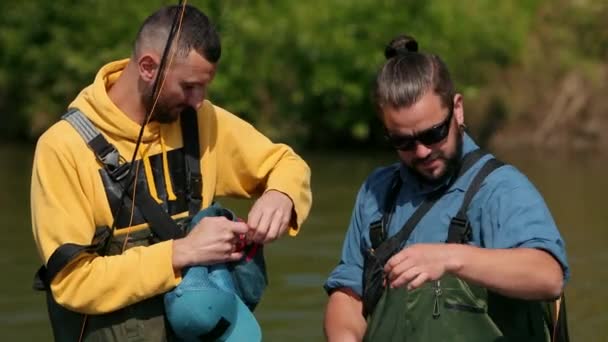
(166,174)
(170,194)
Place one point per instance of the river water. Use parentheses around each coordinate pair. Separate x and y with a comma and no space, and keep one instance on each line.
(292,308)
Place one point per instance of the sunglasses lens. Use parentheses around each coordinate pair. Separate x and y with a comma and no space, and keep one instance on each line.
(405,145)
(434,135)
(429,137)
(401,142)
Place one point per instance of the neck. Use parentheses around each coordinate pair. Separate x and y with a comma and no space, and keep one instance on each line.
(126,94)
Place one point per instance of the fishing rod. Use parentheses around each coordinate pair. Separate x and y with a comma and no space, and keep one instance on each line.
(133,171)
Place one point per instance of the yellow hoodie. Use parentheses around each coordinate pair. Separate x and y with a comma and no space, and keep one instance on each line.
(68,199)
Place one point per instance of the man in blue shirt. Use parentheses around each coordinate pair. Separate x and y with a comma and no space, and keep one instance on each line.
(514,249)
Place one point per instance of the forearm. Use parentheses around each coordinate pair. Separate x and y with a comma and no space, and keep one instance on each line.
(292,177)
(524,273)
(96,285)
(343,318)
(260,166)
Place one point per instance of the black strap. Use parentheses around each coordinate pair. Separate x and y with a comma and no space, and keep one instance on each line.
(460,227)
(218,330)
(384,248)
(376,258)
(560,332)
(159,220)
(60,257)
(105,152)
(192,156)
(64,254)
(378,229)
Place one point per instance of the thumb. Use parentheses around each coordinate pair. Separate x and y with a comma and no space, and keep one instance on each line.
(239,227)
(235,256)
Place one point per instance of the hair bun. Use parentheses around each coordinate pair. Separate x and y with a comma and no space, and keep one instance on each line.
(400,45)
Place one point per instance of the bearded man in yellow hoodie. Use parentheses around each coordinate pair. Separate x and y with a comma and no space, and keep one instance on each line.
(76,191)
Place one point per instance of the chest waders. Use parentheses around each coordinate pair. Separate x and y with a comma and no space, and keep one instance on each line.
(449,309)
(143,321)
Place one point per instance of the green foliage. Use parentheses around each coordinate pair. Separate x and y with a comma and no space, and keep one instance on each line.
(300,70)
(303,70)
(51,49)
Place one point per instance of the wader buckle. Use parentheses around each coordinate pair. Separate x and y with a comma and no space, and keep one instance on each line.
(459,231)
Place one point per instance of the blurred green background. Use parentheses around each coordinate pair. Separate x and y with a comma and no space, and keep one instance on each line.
(533,72)
(301,70)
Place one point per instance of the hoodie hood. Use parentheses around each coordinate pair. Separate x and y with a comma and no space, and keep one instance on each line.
(122,132)
(95,103)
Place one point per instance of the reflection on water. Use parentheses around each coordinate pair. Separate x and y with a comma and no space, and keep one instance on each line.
(292,308)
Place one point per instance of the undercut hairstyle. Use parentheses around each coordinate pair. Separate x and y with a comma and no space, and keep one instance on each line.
(196,33)
(408,75)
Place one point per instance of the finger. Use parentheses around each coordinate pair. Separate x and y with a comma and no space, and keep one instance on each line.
(253,220)
(418,281)
(249,235)
(254,216)
(262,230)
(235,256)
(399,269)
(395,260)
(275,227)
(237,228)
(405,277)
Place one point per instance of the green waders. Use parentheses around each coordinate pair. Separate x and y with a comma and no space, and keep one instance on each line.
(453,310)
(449,309)
(143,321)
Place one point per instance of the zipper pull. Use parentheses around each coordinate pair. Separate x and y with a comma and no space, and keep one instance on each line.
(438,293)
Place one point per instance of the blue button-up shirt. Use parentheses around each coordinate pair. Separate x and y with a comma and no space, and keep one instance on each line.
(506,212)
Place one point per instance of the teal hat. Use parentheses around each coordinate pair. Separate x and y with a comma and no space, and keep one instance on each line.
(200,309)
(206,305)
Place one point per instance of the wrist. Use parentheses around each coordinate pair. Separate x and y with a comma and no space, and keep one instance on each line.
(455,258)
(179,257)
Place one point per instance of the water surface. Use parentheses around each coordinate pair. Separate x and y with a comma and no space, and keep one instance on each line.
(292,309)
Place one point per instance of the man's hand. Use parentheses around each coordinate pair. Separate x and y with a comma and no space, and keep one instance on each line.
(270,216)
(211,241)
(417,264)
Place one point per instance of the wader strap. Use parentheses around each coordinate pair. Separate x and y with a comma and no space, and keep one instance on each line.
(194,185)
(159,220)
(105,152)
(388,247)
(559,320)
(460,227)
(378,230)
(64,254)
(376,258)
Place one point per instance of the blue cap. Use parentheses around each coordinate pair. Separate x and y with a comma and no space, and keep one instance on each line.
(206,304)
(203,307)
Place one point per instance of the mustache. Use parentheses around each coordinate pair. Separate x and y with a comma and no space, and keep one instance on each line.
(431,157)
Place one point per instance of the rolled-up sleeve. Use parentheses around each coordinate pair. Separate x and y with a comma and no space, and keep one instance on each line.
(349,272)
(519,218)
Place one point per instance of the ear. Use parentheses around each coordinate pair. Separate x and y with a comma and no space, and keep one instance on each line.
(147,65)
(459,109)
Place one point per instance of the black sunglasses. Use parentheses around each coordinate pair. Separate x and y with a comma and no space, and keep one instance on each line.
(427,137)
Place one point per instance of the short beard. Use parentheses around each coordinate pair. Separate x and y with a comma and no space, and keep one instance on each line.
(162,113)
(452,165)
